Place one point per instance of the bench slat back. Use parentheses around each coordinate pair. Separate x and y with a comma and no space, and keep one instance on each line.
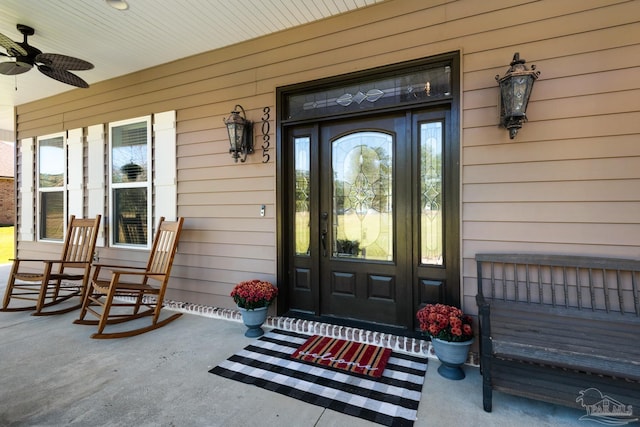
(573,282)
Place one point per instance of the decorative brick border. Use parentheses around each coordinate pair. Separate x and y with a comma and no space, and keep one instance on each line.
(397,343)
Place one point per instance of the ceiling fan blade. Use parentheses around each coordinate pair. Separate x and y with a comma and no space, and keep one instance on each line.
(13,48)
(63,62)
(63,76)
(12,68)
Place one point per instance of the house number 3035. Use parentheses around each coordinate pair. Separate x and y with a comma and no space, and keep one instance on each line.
(266,127)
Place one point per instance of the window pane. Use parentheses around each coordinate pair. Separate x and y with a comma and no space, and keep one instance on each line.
(51,181)
(431,193)
(302,226)
(129,153)
(130,178)
(51,162)
(362,196)
(52,215)
(130,206)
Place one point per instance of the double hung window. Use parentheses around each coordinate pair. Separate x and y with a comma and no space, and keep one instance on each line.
(124,171)
(52,166)
(130,182)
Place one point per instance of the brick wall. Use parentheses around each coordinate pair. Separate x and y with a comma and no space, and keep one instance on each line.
(7,201)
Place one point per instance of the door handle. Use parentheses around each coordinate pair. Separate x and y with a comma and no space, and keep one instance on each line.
(323,236)
(323,239)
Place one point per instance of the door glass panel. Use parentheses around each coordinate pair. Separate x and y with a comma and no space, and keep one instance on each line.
(302,226)
(362,196)
(431,226)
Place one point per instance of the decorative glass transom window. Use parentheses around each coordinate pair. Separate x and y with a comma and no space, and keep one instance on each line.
(401,87)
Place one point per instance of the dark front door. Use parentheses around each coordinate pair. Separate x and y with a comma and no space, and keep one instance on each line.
(363,229)
(369,196)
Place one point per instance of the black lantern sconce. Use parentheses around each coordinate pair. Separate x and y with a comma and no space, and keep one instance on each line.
(515,90)
(240,134)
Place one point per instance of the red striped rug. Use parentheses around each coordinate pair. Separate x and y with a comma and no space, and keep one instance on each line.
(365,359)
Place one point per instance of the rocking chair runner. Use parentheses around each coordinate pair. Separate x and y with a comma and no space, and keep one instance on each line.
(47,282)
(133,288)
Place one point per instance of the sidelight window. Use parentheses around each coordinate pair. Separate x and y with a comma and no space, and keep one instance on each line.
(302,229)
(431,218)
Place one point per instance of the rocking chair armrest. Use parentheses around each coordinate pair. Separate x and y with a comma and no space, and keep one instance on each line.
(35,260)
(126,271)
(144,273)
(120,270)
(71,263)
(115,267)
(111,269)
(138,276)
(51,262)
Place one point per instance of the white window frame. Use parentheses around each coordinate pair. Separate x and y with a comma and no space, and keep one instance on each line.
(26,231)
(42,190)
(147,185)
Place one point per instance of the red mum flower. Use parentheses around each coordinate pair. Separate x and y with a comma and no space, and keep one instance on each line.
(254,293)
(445,322)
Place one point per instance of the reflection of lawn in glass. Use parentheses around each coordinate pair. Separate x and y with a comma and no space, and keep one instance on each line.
(302,233)
(431,241)
(380,248)
(372,230)
(430,245)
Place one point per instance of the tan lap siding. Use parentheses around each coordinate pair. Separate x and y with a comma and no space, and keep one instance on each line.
(567,183)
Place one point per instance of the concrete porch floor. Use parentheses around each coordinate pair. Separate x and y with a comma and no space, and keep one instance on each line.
(53,374)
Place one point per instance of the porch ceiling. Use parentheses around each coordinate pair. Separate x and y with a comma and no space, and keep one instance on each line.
(149,33)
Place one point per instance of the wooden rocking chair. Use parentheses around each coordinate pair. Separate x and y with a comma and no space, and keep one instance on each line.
(133,288)
(48,281)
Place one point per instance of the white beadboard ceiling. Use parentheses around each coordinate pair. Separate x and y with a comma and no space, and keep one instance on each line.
(149,33)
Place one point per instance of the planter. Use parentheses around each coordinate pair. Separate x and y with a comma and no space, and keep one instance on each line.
(452,356)
(253,320)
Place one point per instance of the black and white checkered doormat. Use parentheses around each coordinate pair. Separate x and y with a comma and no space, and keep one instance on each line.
(391,400)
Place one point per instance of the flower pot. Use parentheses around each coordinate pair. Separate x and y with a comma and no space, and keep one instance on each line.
(253,320)
(452,356)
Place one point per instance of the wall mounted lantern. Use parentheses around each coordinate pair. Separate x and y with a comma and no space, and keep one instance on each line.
(240,134)
(515,90)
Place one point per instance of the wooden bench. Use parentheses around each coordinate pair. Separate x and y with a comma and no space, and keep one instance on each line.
(561,329)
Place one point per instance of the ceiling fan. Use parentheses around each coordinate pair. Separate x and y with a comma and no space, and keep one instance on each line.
(50,64)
